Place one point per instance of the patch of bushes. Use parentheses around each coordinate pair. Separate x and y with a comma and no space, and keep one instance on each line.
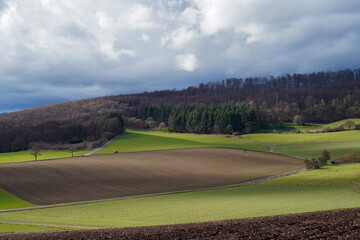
(313,163)
(349,157)
(334,129)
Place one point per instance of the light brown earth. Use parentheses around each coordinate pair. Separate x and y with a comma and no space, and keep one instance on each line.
(129,174)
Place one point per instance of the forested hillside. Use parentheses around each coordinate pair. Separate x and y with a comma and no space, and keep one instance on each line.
(318,97)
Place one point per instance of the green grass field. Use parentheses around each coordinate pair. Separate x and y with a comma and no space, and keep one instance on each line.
(302,138)
(225,203)
(8,201)
(327,175)
(313,150)
(313,127)
(338,123)
(11,227)
(323,189)
(26,156)
(289,126)
(134,141)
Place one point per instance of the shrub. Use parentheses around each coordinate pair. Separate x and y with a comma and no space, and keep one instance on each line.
(338,128)
(236,133)
(352,156)
(327,129)
(299,120)
(162,125)
(349,124)
(340,160)
(324,157)
(229,129)
(311,163)
(357,126)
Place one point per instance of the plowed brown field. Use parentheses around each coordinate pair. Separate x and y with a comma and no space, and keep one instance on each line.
(129,174)
(340,224)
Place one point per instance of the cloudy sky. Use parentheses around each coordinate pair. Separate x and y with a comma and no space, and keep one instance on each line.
(52,51)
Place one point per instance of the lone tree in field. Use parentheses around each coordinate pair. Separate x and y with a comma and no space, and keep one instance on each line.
(349,124)
(299,120)
(35,151)
(72,150)
(324,157)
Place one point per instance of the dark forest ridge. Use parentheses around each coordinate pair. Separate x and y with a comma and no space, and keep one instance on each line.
(312,83)
(318,97)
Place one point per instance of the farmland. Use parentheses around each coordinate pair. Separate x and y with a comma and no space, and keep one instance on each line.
(209,205)
(303,138)
(134,141)
(312,127)
(8,201)
(24,156)
(188,162)
(298,145)
(128,174)
(340,223)
(313,150)
(7,227)
(326,175)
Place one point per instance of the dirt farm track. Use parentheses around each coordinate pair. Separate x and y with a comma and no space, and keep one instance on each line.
(129,174)
(339,224)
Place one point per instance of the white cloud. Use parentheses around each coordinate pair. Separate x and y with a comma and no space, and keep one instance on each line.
(178,39)
(144,37)
(186,62)
(51,43)
(112,54)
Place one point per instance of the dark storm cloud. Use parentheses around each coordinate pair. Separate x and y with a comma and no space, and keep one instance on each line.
(63,50)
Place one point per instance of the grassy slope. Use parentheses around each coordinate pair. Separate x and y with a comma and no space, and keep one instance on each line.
(8,201)
(288,126)
(226,203)
(303,138)
(10,227)
(335,124)
(313,150)
(330,174)
(26,156)
(146,140)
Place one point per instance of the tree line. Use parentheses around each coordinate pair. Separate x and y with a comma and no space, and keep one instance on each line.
(318,97)
(206,119)
(97,128)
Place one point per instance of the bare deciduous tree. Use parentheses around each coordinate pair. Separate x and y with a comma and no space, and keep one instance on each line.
(35,150)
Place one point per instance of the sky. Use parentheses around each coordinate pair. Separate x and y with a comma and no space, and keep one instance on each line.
(54,51)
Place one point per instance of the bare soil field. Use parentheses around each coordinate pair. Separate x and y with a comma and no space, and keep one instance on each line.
(338,224)
(129,174)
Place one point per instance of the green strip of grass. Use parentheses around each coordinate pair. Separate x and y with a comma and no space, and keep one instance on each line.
(338,123)
(134,141)
(330,174)
(26,156)
(11,228)
(288,126)
(314,150)
(219,204)
(301,138)
(9,201)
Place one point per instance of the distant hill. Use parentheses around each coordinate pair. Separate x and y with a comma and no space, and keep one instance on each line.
(320,97)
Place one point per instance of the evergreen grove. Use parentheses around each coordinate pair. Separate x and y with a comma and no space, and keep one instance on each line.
(206,119)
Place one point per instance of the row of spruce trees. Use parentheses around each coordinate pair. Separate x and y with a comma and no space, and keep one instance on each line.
(207,119)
